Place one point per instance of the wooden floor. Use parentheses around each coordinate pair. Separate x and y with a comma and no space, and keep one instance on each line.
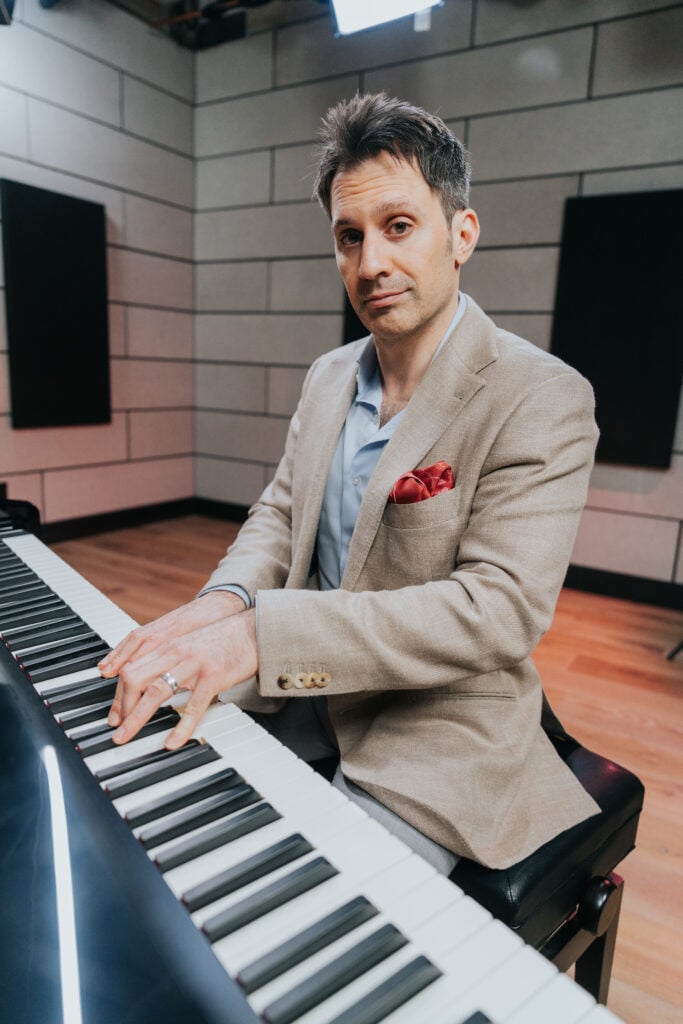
(605,670)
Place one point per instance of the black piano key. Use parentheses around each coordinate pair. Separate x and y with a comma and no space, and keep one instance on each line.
(43,633)
(103,741)
(79,695)
(394,992)
(48,633)
(182,822)
(226,832)
(61,652)
(186,758)
(101,729)
(19,587)
(139,761)
(64,668)
(219,782)
(249,870)
(303,945)
(24,649)
(81,716)
(285,889)
(18,572)
(47,611)
(479,1017)
(334,976)
(36,600)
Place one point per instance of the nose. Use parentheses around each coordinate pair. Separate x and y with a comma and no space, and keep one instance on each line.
(374,258)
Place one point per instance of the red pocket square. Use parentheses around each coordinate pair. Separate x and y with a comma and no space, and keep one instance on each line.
(422,483)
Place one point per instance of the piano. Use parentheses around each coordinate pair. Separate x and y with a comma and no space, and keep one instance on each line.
(226,883)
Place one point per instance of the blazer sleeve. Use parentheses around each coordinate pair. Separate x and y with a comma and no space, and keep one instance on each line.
(492,609)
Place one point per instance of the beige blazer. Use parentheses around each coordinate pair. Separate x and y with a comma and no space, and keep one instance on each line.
(426,646)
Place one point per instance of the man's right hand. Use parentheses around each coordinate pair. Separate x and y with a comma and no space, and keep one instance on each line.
(203,611)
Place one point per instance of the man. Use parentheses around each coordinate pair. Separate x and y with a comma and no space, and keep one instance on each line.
(414,619)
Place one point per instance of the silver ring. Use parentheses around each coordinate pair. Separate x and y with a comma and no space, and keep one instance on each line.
(172,681)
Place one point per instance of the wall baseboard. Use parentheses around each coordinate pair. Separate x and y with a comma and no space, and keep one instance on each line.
(86,526)
(628,588)
(595,581)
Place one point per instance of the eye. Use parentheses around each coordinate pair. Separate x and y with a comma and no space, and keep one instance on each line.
(400,227)
(347,238)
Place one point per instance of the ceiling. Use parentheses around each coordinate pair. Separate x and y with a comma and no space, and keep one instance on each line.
(198,24)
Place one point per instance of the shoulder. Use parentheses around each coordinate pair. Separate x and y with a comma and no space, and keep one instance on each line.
(338,362)
(514,360)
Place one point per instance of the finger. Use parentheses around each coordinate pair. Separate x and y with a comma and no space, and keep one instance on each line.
(114,716)
(112,662)
(140,678)
(154,694)
(190,717)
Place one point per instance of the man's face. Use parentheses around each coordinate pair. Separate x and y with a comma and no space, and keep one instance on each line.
(395,249)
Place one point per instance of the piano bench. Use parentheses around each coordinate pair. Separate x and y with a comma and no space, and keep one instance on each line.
(564,899)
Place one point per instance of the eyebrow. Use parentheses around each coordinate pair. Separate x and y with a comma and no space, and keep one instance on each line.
(399,204)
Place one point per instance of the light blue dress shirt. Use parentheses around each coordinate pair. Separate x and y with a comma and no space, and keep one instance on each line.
(360,445)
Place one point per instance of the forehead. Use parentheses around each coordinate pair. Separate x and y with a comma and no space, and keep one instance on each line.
(378,184)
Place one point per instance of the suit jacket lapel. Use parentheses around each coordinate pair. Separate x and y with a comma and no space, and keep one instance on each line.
(446,388)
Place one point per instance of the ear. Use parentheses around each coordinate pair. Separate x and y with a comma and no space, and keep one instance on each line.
(465,235)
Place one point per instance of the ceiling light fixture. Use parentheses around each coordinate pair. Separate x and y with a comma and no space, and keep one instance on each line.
(353,15)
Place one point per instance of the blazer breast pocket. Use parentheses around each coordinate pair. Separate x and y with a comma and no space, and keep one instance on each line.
(422,515)
(418,542)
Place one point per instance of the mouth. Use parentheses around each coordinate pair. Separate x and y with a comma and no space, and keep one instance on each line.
(381,299)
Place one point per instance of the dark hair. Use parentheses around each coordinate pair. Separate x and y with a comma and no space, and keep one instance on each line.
(359,129)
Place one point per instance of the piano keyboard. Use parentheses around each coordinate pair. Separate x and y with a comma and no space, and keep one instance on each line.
(315,913)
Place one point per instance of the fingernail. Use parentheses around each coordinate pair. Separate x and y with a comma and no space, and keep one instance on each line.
(114,718)
(118,736)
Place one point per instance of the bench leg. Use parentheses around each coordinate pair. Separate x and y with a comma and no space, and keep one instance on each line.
(594,967)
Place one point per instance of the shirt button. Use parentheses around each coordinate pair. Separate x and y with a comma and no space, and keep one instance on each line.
(355,481)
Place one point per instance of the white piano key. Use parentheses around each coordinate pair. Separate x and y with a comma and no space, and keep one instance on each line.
(99,612)
(476,952)
(409,877)
(132,802)
(309,970)
(346,997)
(517,981)
(225,902)
(395,873)
(182,878)
(348,856)
(83,675)
(421,917)
(126,751)
(562,1002)
(408,914)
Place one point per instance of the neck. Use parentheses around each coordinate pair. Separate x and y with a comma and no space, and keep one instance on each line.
(404,361)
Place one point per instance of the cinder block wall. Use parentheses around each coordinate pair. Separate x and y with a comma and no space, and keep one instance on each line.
(553,98)
(94,104)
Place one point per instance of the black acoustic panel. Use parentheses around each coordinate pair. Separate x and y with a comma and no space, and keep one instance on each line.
(6,9)
(54,249)
(353,326)
(619,317)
